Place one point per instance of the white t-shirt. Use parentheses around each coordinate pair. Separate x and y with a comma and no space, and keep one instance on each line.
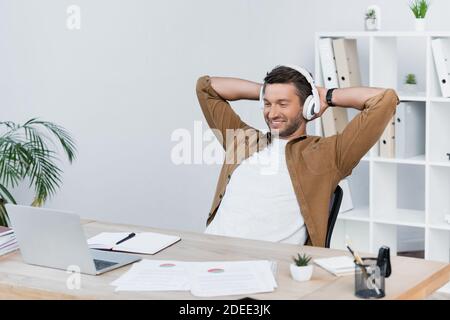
(260,201)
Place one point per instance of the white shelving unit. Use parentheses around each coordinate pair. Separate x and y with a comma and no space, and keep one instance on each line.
(388,193)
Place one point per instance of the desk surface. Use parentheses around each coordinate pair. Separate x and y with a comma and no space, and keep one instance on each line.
(411,278)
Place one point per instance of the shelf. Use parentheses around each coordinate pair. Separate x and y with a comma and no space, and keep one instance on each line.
(401,202)
(417,160)
(439,99)
(440,163)
(439,199)
(394,34)
(356,214)
(439,132)
(402,217)
(409,97)
(440,226)
(392,59)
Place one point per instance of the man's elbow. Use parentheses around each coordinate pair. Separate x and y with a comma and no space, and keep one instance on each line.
(392,95)
(202,83)
(386,99)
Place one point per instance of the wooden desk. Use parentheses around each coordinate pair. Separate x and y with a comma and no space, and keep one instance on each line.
(411,278)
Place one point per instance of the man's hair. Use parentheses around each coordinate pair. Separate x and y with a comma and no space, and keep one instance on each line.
(283,74)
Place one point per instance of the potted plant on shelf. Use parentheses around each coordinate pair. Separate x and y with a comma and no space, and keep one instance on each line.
(25,154)
(410,85)
(419,8)
(301,270)
(371,20)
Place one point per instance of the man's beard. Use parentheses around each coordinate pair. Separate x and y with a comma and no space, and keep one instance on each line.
(291,127)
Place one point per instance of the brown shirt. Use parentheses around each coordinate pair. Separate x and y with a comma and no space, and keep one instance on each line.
(316,164)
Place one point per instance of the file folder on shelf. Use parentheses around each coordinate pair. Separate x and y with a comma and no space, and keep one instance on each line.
(387,140)
(441,55)
(410,129)
(334,119)
(347,62)
(328,63)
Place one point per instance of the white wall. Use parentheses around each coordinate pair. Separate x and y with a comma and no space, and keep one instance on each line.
(125,81)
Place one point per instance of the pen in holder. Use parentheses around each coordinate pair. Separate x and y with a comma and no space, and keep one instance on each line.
(369,280)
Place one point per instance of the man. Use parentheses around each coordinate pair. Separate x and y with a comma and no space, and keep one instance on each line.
(289,204)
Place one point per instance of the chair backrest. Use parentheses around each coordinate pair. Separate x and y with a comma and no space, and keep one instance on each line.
(335,205)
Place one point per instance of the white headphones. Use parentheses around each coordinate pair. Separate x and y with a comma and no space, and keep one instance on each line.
(312,102)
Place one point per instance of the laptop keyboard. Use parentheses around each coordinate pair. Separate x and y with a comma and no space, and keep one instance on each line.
(102,264)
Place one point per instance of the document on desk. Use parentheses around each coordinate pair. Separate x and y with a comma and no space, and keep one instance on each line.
(203,279)
(144,243)
(154,275)
(211,279)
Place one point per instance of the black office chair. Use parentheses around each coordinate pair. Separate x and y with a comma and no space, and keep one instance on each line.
(335,204)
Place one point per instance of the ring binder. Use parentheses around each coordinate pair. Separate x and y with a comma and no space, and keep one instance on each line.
(441,51)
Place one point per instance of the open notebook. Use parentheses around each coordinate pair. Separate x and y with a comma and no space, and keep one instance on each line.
(144,242)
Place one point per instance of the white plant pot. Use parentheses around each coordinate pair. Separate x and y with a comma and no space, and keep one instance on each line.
(301,273)
(420,24)
(410,88)
(371,24)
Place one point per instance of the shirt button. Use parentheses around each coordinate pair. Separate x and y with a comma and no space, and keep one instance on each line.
(229,176)
(220,196)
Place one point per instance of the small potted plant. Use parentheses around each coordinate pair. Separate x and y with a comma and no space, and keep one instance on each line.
(419,8)
(410,83)
(301,270)
(371,20)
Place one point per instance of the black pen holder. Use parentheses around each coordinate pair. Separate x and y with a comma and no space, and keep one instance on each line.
(369,280)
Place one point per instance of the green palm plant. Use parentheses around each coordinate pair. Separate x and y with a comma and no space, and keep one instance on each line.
(419,8)
(25,153)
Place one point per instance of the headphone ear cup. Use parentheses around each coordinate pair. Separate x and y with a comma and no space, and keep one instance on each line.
(261,98)
(308,108)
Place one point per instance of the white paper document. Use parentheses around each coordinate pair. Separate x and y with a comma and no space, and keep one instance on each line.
(203,279)
(210,279)
(339,266)
(145,242)
(154,275)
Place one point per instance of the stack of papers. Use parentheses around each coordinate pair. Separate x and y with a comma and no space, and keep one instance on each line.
(8,241)
(203,279)
(211,279)
(154,275)
(339,266)
(144,243)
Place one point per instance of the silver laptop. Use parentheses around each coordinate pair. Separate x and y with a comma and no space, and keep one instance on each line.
(55,239)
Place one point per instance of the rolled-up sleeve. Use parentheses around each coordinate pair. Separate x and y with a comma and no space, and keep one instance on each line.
(218,113)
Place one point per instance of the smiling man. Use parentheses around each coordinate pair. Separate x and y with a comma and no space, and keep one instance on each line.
(287,203)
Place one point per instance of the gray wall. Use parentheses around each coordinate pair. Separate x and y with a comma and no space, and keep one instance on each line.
(125,81)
